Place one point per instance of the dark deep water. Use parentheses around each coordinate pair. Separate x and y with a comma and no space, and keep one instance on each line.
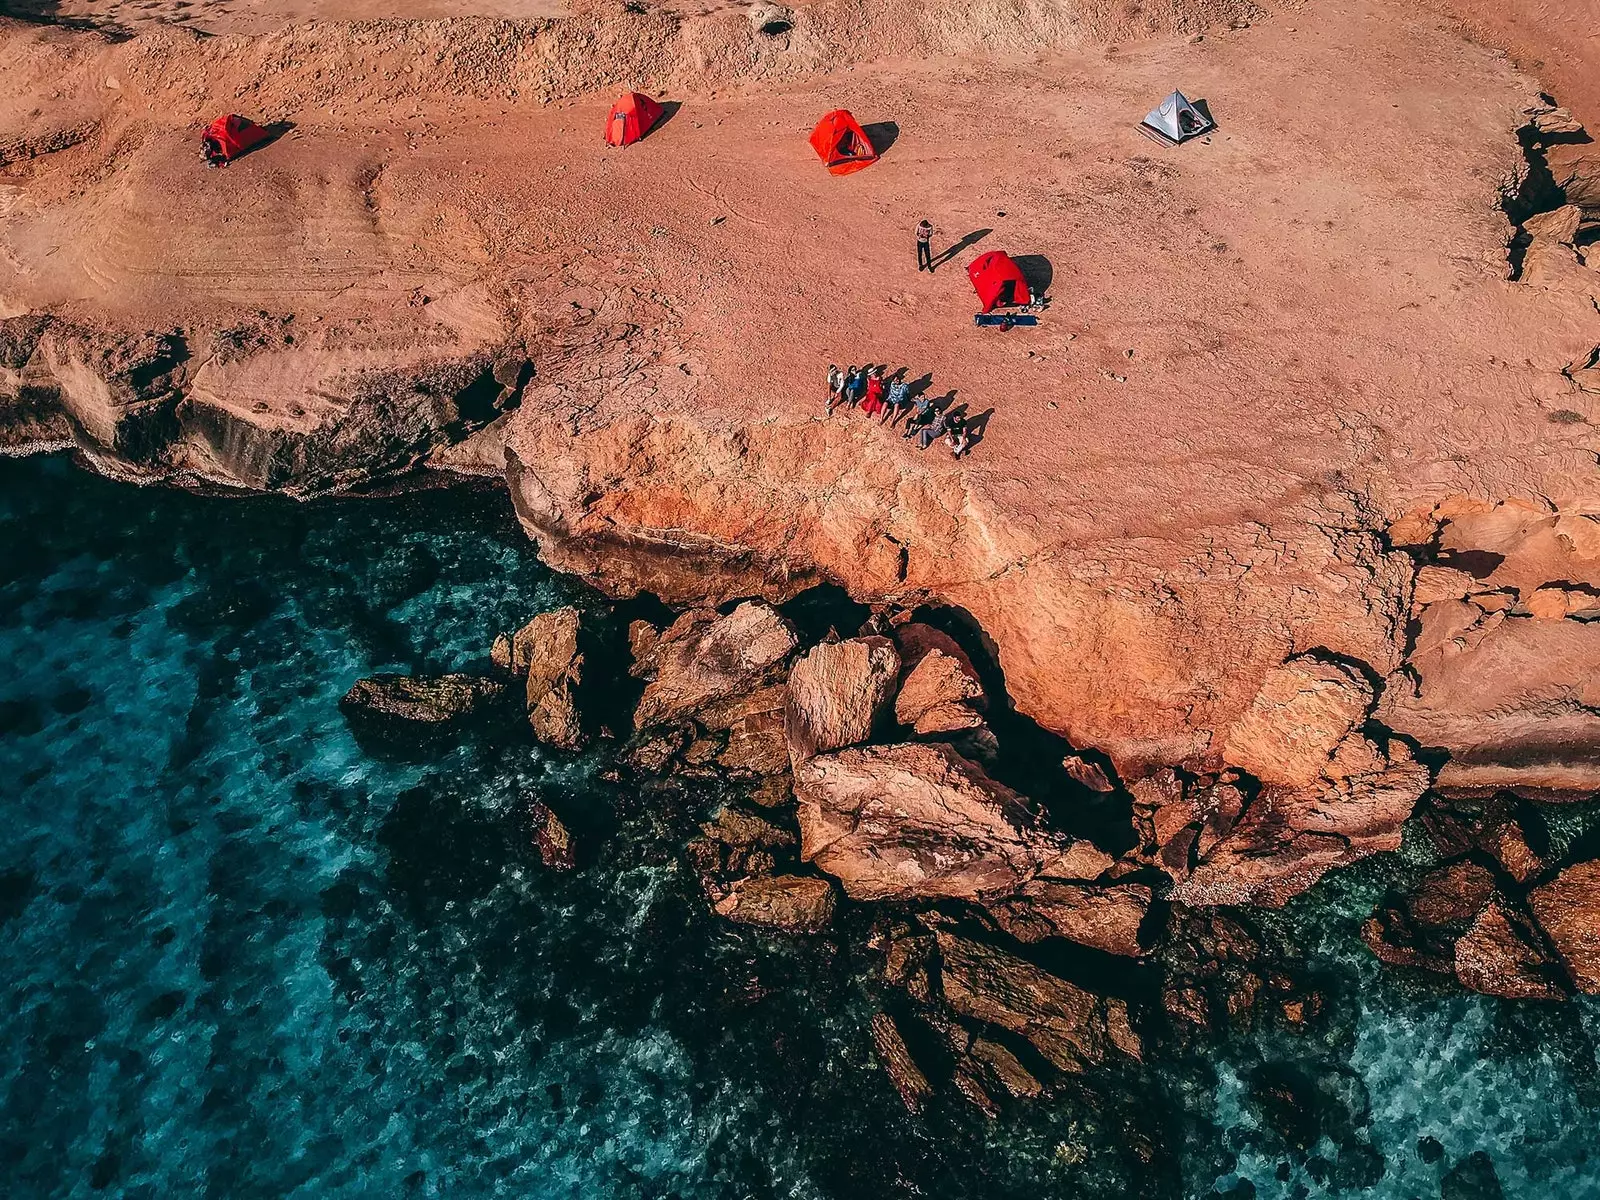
(243,957)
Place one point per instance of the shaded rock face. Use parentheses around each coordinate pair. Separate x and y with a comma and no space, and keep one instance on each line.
(795,903)
(705,657)
(305,422)
(920,822)
(838,692)
(406,703)
(1072,1028)
(1420,929)
(1214,974)
(1568,910)
(548,648)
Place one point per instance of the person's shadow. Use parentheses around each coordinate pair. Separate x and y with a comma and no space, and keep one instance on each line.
(977,426)
(966,243)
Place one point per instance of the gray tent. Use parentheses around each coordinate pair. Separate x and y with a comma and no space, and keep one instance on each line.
(1175,120)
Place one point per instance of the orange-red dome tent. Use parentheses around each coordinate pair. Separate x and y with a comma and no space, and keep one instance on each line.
(631,118)
(842,144)
(998,280)
(226,138)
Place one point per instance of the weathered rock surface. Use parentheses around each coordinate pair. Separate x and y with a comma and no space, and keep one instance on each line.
(1106,917)
(705,657)
(907,1077)
(423,704)
(796,903)
(1304,710)
(300,418)
(1090,775)
(552,837)
(1074,1029)
(920,822)
(1568,910)
(1222,846)
(1004,1067)
(547,650)
(1507,689)
(838,692)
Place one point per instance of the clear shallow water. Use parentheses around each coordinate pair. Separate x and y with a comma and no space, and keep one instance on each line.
(243,956)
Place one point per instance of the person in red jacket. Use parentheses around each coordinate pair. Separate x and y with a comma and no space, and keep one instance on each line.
(873,405)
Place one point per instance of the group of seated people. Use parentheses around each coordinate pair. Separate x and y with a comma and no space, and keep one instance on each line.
(865,387)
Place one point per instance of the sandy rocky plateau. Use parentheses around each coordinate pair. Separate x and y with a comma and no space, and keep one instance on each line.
(1330,563)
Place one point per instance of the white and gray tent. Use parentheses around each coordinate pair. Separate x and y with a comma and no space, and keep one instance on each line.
(1175,120)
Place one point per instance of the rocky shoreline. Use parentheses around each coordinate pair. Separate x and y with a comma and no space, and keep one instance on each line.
(863,770)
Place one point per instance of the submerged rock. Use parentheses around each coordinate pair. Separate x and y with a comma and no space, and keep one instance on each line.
(423,704)
(796,903)
(838,691)
(919,822)
(705,657)
(1074,1029)
(552,837)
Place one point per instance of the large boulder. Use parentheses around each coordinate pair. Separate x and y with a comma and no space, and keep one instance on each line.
(549,653)
(1420,928)
(705,657)
(795,903)
(1500,954)
(1072,1028)
(941,695)
(1568,910)
(918,822)
(1105,916)
(422,704)
(837,694)
(902,1069)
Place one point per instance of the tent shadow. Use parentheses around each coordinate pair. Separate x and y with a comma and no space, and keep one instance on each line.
(669,109)
(882,135)
(1036,269)
(273,131)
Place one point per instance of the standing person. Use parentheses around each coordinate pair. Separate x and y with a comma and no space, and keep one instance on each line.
(925,245)
(874,401)
(899,397)
(835,386)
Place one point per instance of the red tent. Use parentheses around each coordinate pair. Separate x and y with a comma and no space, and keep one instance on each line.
(631,118)
(998,280)
(841,143)
(228,137)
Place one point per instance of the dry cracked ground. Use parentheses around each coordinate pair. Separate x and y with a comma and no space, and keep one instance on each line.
(1294,483)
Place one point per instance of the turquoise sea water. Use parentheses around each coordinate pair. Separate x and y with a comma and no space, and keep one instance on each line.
(244,956)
